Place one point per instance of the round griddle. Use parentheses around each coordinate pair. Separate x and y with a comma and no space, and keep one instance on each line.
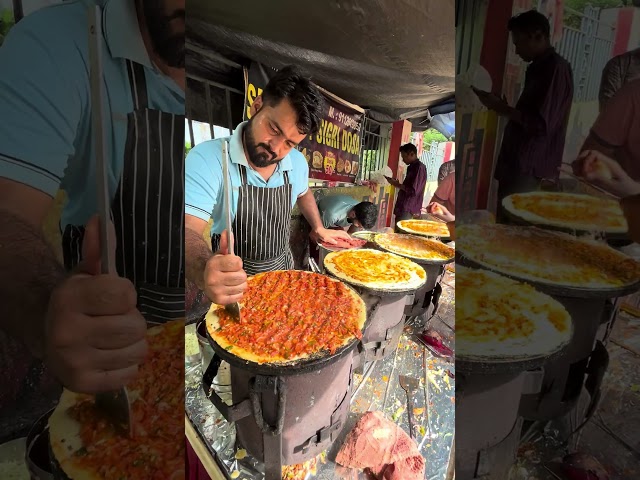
(615,238)
(315,362)
(295,367)
(379,292)
(365,235)
(335,248)
(431,219)
(494,365)
(419,261)
(555,290)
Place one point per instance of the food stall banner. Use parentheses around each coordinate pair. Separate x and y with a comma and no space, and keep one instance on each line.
(333,154)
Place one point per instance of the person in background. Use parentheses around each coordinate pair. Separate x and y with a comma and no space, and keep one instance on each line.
(409,201)
(618,71)
(615,131)
(534,137)
(445,169)
(345,211)
(606,173)
(443,202)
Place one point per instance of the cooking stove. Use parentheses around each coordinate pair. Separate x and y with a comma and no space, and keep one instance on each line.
(285,415)
(428,293)
(385,314)
(487,401)
(582,359)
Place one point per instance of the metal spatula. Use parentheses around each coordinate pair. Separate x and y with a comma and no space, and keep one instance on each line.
(232,308)
(410,385)
(114,404)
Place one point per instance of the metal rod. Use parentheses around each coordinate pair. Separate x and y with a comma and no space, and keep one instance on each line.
(18,12)
(97,104)
(229,115)
(191,136)
(214,84)
(207,91)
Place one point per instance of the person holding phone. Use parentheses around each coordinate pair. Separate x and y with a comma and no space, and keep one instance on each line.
(534,137)
(409,201)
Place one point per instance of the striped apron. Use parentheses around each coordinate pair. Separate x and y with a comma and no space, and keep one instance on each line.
(261,227)
(148,208)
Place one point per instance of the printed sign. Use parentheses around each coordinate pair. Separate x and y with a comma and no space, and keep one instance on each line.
(333,154)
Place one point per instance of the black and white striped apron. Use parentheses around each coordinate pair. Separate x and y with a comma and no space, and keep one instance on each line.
(148,208)
(261,227)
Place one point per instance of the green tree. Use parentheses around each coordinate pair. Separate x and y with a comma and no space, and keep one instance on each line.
(6,22)
(574,20)
(432,135)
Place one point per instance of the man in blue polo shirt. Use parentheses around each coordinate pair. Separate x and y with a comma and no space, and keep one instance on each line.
(345,211)
(268,176)
(89,328)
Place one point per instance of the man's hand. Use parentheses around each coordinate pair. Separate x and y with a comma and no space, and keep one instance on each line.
(224,278)
(393,181)
(95,336)
(329,236)
(605,172)
(439,211)
(492,102)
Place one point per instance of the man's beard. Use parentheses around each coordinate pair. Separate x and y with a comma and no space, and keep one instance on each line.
(259,158)
(168,45)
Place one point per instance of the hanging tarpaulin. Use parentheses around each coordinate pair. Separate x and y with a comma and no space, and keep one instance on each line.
(445,124)
(333,154)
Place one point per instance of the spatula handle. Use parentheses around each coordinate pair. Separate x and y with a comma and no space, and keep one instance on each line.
(97,112)
(412,420)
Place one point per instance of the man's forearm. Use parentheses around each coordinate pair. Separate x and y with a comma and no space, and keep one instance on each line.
(197,253)
(30,273)
(308,207)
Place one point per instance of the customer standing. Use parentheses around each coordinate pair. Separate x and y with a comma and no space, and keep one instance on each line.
(409,202)
(534,137)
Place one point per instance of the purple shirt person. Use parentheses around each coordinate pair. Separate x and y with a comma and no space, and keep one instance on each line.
(533,141)
(410,197)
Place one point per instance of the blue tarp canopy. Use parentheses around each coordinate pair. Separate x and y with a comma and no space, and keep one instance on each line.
(445,124)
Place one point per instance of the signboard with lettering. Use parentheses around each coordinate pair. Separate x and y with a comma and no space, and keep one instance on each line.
(333,154)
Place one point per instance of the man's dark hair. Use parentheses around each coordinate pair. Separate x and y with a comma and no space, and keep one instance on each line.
(291,84)
(366,213)
(530,22)
(409,148)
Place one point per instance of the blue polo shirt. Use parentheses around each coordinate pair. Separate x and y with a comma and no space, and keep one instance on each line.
(335,208)
(46,139)
(203,177)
